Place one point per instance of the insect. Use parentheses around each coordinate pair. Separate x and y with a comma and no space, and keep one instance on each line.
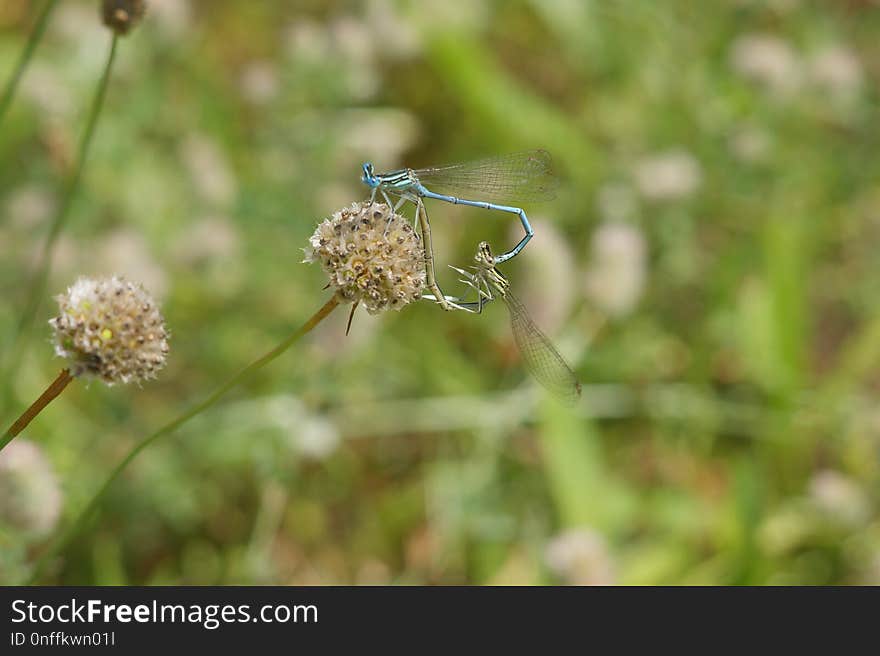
(539,355)
(506,178)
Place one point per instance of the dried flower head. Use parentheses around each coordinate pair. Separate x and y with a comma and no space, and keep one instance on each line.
(122,15)
(372,256)
(110,329)
(30,496)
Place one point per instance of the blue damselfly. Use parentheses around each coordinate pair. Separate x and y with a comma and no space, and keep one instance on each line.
(515,177)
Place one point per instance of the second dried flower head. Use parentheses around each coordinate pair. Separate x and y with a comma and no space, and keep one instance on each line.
(122,15)
(111,329)
(371,255)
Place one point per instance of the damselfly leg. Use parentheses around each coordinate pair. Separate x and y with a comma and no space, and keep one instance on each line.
(539,355)
(428,249)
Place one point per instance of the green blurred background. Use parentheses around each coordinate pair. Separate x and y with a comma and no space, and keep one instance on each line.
(709,267)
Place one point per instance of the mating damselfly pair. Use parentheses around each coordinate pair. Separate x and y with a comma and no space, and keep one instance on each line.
(489,184)
(484,183)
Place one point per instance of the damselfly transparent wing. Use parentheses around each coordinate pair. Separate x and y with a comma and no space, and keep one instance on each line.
(515,177)
(539,355)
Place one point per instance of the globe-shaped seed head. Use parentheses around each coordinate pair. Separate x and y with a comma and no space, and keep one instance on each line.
(371,255)
(110,329)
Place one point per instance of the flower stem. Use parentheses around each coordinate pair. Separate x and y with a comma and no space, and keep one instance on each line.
(79,522)
(38,283)
(37,406)
(23,61)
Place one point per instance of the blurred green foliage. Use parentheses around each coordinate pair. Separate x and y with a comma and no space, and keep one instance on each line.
(709,267)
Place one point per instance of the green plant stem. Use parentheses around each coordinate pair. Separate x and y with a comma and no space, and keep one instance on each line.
(23,61)
(38,283)
(37,406)
(79,522)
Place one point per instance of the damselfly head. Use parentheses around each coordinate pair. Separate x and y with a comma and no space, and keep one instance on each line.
(485,269)
(484,255)
(369,177)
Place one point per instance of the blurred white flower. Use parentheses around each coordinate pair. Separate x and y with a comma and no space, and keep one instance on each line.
(310,434)
(548,283)
(86,49)
(346,43)
(308,40)
(668,175)
(616,275)
(209,170)
(30,497)
(29,206)
(768,60)
(379,134)
(616,202)
(209,238)
(317,437)
(45,87)
(840,497)
(838,71)
(173,17)
(750,144)
(580,557)
(352,38)
(784,530)
(355,44)
(259,82)
(73,20)
(398,36)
